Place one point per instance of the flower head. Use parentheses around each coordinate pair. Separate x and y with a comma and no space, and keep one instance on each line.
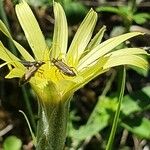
(58,71)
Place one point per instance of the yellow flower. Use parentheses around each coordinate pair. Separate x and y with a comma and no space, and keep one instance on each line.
(66,70)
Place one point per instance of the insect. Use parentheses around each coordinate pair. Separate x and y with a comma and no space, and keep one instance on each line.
(64,68)
(33,67)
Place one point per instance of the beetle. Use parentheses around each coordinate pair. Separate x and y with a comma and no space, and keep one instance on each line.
(33,67)
(30,63)
(64,68)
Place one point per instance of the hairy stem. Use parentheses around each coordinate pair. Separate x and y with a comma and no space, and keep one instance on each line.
(52,125)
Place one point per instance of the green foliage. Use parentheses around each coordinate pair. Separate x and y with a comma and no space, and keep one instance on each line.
(97,122)
(138,126)
(72,8)
(127,13)
(136,104)
(141,18)
(131,118)
(12,143)
(36,3)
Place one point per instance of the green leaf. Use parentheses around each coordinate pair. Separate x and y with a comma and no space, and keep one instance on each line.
(146,92)
(60,37)
(88,131)
(137,101)
(141,18)
(97,121)
(108,9)
(129,106)
(139,126)
(125,11)
(32,30)
(12,143)
(134,103)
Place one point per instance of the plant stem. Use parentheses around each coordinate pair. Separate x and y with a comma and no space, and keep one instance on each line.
(29,109)
(116,118)
(52,125)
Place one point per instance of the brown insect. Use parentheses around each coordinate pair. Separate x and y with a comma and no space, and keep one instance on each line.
(33,67)
(64,68)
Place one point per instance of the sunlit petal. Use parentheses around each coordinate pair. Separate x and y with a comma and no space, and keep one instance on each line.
(32,30)
(104,48)
(22,51)
(81,38)
(60,37)
(14,73)
(133,60)
(7,56)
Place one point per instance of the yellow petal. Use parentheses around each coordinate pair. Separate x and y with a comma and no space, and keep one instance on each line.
(7,56)
(133,60)
(81,38)
(22,51)
(32,30)
(15,72)
(104,48)
(3,64)
(97,38)
(60,37)
(128,51)
(85,76)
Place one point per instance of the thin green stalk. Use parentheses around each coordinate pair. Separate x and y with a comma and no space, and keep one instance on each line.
(28,123)
(29,109)
(116,118)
